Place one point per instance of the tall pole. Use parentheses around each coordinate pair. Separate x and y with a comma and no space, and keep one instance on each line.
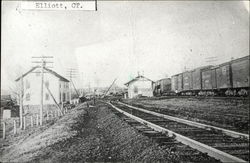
(70,87)
(82,84)
(72,74)
(41,107)
(61,94)
(109,87)
(75,88)
(89,87)
(21,103)
(43,62)
(94,95)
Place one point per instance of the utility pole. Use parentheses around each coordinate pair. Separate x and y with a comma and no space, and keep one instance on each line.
(42,78)
(89,87)
(185,68)
(43,65)
(94,95)
(82,84)
(71,74)
(75,89)
(21,103)
(109,88)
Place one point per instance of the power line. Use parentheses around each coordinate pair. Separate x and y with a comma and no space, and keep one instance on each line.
(211,60)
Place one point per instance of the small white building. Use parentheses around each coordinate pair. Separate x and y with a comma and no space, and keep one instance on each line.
(140,86)
(58,86)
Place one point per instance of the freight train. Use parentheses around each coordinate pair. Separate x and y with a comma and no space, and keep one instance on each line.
(227,79)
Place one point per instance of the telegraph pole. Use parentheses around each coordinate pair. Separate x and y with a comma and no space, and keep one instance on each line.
(71,74)
(89,87)
(43,65)
(21,103)
(109,87)
(41,104)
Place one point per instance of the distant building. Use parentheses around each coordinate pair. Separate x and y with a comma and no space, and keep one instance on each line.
(140,86)
(8,107)
(58,86)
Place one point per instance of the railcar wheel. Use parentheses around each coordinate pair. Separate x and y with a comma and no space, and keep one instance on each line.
(243,92)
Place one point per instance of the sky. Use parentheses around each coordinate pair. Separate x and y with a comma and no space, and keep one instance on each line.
(157,39)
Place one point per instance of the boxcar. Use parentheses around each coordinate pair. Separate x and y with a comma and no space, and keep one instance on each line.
(162,86)
(165,85)
(196,79)
(223,76)
(213,76)
(156,87)
(180,82)
(174,83)
(187,81)
(208,77)
(240,72)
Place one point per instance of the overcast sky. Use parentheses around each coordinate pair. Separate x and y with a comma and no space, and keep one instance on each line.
(121,38)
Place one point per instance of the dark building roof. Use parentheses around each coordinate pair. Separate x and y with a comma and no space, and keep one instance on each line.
(138,77)
(48,70)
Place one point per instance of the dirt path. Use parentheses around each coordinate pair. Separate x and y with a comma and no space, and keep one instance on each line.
(93,134)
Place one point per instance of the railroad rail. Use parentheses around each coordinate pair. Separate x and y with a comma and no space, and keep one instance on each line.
(196,97)
(216,144)
(192,123)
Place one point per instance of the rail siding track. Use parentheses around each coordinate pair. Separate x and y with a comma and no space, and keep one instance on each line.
(198,97)
(191,123)
(215,153)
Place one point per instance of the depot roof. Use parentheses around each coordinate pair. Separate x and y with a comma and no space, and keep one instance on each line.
(137,78)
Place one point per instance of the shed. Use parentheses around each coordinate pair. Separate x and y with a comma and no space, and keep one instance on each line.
(140,86)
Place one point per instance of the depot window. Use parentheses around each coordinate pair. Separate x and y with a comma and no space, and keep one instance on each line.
(47,84)
(27,97)
(47,96)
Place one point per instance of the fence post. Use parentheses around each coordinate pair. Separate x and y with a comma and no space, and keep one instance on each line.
(14,127)
(66,109)
(31,121)
(24,123)
(37,119)
(47,113)
(62,109)
(3,130)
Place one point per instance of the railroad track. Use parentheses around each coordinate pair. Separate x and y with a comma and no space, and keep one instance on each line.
(197,97)
(221,144)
